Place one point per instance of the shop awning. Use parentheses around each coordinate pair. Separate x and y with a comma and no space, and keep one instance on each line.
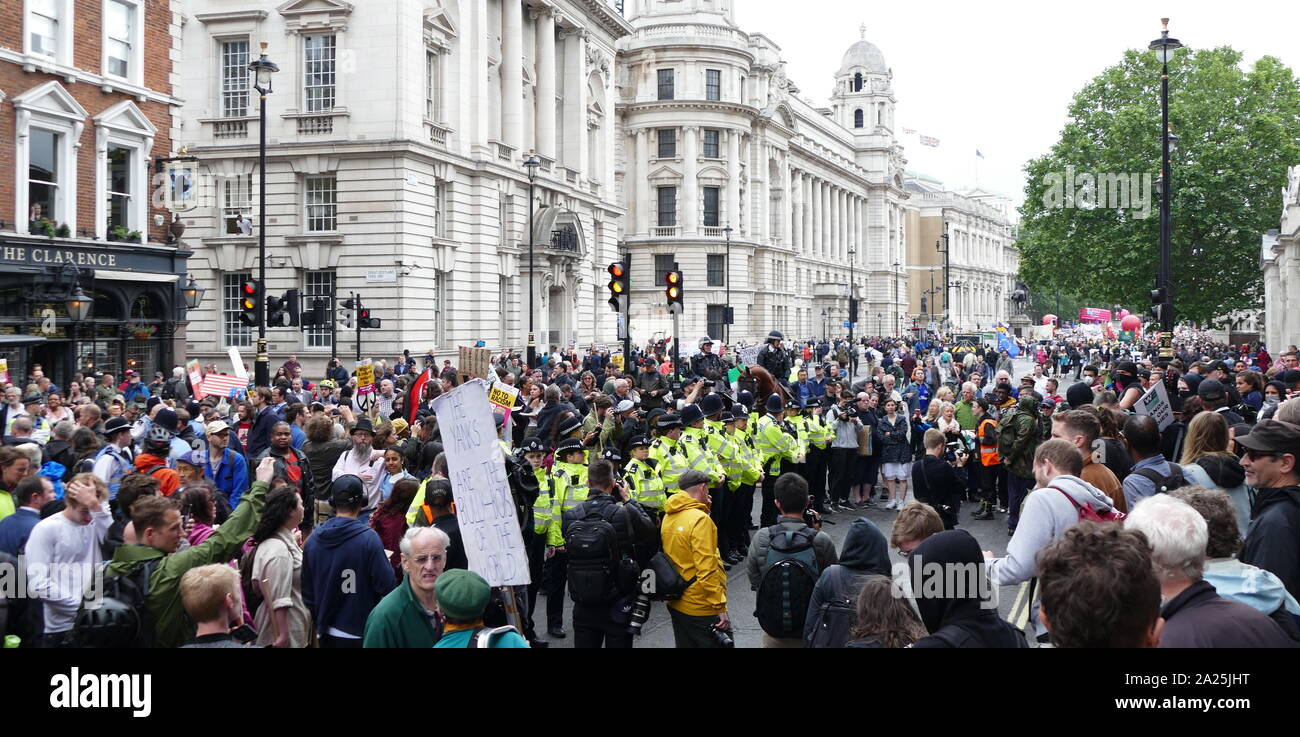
(21,339)
(148,276)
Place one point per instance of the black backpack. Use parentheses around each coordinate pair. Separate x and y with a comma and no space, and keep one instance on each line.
(116,617)
(834,618)
(592,545)
(1164,484)
(789,575)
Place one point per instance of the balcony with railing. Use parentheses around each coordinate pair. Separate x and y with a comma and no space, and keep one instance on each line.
(714,232)
(437,132)
(665,231)
(505,152)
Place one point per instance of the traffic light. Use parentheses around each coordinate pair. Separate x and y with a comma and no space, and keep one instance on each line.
(673,292)
(617,285)
(282,311)
(345,318)
(365,320)
(1158,298)
(319,314)
(250,302)
(853,311)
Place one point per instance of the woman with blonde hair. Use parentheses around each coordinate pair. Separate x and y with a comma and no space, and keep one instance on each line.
(884,619)
(1207,462)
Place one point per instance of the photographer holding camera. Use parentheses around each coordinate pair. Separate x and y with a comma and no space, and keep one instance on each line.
(843,419)
(939,478)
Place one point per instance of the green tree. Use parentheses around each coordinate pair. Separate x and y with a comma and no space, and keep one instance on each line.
(1238,130)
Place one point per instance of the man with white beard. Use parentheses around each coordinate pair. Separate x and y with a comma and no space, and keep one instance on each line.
(364,462)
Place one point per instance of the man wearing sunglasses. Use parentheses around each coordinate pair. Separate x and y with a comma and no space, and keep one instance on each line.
(1272,448)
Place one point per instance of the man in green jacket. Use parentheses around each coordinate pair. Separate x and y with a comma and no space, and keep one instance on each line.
(407,617)
(157,522)
(1018,439)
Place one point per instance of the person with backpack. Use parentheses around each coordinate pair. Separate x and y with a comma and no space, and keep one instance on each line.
(113,461)
(462,597)
(144,577)
(567,489)
(226,469)
(1061,500)
(600,535)
(1018,438)
(832,608)
(690,540)
(957,614)
(153,461)
(784,563)
(292,466)
(1151,473)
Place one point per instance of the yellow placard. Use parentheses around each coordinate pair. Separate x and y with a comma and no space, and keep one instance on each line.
(365,374)
(617,359)
(502,395)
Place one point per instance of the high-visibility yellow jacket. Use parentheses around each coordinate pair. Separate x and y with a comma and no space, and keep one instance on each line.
(724,450)
(773,444)
(751,466)
(820,432)
(644,483)
(699,456)
(670,461)
(568,489)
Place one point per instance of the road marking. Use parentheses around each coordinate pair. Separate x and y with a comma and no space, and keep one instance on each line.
(1013,615)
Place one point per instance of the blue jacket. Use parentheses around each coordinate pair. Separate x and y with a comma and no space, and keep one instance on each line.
(299,437)
(16,528)
(137,392)
(345,574)
(230,476)
(259,435)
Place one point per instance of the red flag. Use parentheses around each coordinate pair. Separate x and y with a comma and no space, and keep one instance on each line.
(414,394)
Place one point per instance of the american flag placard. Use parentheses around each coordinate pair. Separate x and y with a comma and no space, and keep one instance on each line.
(220,385)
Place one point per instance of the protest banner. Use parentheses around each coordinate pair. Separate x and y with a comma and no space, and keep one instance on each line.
(1155,402)
(749,356)
(196,375)
(365,384)
(238,362)
(4,371)
(485,507)
(504,396)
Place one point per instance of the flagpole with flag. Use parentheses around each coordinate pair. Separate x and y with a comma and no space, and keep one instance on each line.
(978,156)
(417,391)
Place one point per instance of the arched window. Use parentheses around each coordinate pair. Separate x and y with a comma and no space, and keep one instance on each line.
(857,118)
(857,81)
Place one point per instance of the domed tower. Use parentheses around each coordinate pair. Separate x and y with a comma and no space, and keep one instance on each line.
(863,100)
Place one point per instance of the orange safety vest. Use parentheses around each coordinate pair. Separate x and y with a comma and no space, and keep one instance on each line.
(988,453)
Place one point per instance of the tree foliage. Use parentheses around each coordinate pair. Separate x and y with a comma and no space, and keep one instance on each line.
(1238,130)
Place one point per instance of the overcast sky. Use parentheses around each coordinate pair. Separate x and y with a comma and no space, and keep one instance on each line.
(998,76)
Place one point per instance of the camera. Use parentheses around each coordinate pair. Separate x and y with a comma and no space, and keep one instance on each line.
(849,411)
(640,613)
(950,451)
(722,636)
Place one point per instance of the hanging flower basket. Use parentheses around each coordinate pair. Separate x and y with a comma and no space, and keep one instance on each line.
(142,332)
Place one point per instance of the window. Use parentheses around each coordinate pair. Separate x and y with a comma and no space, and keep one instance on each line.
(440,209)
(667,206)
(317,284)
(711,136)
(665,84)
(432,110)
(440,308)
(711,206)
(43,26)
(119,37)
(43,175)
(663,264)
(667,143)
(717,270)
(857,118)
(234,78)
(234,334)
(318,73)
(236,200)
(322,210)
(713,84)
(857,81)
(119,187)
(717,318)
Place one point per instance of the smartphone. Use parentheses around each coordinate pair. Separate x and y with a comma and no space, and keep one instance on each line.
(243,633)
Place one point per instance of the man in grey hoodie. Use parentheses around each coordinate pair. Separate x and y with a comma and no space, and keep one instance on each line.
(1051,509)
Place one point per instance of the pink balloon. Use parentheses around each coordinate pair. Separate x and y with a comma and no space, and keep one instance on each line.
(1049,319)
(1123,314)
(1130,322)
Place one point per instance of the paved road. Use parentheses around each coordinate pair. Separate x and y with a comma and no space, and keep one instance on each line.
(991,534)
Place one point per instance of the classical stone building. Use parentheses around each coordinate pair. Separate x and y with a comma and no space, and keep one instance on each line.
(89,100)
(398,132)
(982,257)
(1281,264)
(762,200)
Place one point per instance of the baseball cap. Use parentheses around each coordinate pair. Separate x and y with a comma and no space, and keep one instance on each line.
(1273,436)
(215,427)
(625,405)
(1210,389)
(1048,403)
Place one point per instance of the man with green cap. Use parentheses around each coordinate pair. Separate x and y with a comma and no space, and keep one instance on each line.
(462,596)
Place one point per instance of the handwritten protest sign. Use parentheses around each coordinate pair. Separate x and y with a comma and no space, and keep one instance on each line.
(749,356)
(475,361)
(1155,402)
(476,467)
(503,395)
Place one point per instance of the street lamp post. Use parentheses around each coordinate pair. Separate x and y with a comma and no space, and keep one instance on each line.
(262,69)
(852,253)
(824,332)
(729,312)
(880,319)
(942,246)
(78,305)
(898,272)
(532,162)
(1162,295)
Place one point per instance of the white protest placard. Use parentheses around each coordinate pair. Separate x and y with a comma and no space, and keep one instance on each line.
(1156,404)
(476,467)
(238,361)
(503,395)
(749,356)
